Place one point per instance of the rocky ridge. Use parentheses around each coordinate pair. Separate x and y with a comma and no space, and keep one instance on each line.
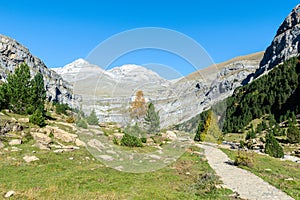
(12,54)
(285,44)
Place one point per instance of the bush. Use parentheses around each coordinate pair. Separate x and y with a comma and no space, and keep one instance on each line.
(82,124)
(272,146)
(131,141)
(37,118)
(144,140)
(244,158)
(293,134)
(206,183)
(70,120)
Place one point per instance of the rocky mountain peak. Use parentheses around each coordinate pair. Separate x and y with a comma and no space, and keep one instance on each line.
(292,20)
(285,44)
(12,54)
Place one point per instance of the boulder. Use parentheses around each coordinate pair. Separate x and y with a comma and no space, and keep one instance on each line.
(63,135)
(170,135)
(29,159)
(41,138)
(23,120)
(15,142)
(9,194)
(79,143)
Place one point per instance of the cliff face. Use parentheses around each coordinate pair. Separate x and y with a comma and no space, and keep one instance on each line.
(285,44)
(12,54)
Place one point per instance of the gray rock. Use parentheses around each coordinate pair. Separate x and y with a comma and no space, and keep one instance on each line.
(9,194)
(29,159)
(1,145)
(15,142)
(285,44)
(12,54)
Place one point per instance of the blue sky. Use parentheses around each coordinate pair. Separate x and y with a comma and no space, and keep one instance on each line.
(59,32)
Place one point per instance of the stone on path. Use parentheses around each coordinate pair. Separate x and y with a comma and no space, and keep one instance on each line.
(246,184)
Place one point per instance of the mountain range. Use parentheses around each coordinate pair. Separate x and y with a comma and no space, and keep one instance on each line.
(110,92)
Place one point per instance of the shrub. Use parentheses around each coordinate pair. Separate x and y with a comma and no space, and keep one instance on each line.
(244,158)
(206,183)
(272,146)
(144,140)
(131,141)
(293,134)
(37,118)
(82,124)
(70,120)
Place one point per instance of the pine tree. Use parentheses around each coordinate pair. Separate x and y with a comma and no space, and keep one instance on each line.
(152,119)
(37,94)
(92,118)
(18,89)
(273,148)
(4,98)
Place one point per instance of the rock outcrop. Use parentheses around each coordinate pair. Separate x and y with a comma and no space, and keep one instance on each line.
(286,43)
(12,54)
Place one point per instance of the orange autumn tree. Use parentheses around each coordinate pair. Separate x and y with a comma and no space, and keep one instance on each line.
(138,107)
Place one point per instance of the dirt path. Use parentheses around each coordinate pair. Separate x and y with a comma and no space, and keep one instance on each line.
(246,184)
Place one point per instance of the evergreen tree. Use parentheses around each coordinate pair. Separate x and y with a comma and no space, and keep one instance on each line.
(37,118)
(4,98)
(152,119)
(293,134)
(38,94)
(273,148)
(18,89)
(92,118)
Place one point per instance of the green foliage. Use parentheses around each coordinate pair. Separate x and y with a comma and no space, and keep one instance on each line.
(37,118)
(203,126)
(206,183)
(244,158)
(24,96)
(62,108)
(135,131)
(18,88)
(131,141)
(273,148)
(92,118)
(293,134)
(37,94)
(250,134)
(4,98)
(82,123)
(274,93)
(152,119)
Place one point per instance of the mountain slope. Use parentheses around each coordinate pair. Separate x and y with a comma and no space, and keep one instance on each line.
(12,54)
(285,44)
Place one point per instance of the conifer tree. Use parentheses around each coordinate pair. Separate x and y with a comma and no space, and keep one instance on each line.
(273,148)
(92,118)
(18,89)
(37,94)
(152,119)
